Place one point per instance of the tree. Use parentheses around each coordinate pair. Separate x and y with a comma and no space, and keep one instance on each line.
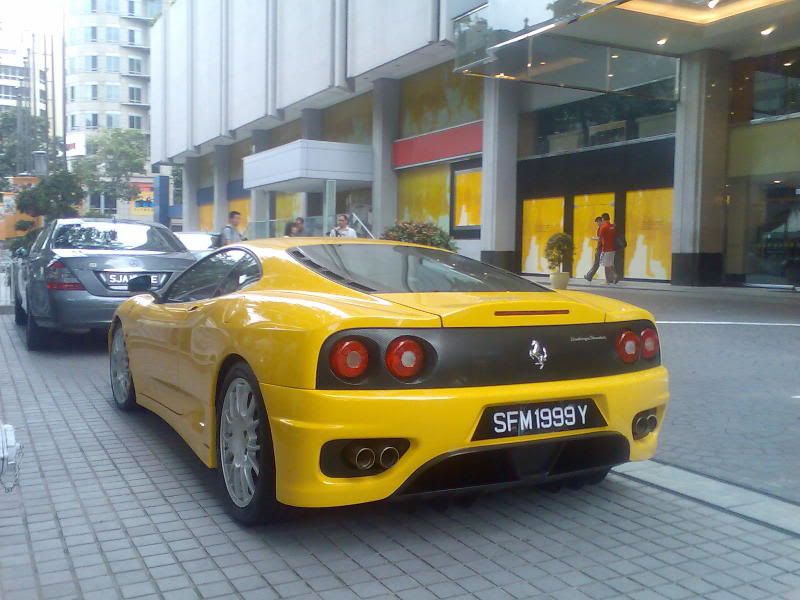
(56,195)
(9,141)
(114,156)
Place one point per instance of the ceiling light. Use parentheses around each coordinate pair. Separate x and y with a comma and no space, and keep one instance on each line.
(662,41)
(788,64)
(777,181)
(610,74)
(712,3)
(615,56)
(543,63)
(529,65)
(768,30)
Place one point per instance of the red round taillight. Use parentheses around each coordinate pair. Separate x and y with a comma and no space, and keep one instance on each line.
(629,347)
(349,359)
(405,358)
(650,344)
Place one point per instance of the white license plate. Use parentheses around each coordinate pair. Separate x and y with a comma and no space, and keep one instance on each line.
(124,278)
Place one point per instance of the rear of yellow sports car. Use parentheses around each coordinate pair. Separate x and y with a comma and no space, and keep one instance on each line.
(501,388)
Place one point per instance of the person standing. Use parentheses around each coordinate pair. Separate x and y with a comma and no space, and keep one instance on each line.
(300,225)
(342,228)
(230,234)
(596,265)
(608,248)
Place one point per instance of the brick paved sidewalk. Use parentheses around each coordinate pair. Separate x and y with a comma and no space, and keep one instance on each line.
(116,506)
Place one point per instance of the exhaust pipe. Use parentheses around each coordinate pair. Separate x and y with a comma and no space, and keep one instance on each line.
(640,427)
(389,457)
(652,423)
(361,457)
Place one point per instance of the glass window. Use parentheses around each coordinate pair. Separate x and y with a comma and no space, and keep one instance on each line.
(112,34)
(112,120)
(135,94)
(112,7)
(112,64)
(93,91)
(112,91)
(466,199)
(134,122)
(91,63)
(41,238)
(91,120)
(134,65)
(103,235)
(766,86)
(91,34)
(220,273)
(399,269)
(73,122)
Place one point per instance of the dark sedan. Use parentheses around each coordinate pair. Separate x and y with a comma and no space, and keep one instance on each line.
(76,273)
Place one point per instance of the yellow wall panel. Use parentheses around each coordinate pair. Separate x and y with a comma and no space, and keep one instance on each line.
(437,98)
(541,218)
(467,199)
(648,231)
(288,205)
(423,194)
(587,208)
(349,121)
(206,217)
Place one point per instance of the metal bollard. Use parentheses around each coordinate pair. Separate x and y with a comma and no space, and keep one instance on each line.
(10,456)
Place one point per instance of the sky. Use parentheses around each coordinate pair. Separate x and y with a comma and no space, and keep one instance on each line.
(21,18)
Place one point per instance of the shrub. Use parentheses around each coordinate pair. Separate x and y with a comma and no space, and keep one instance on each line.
(426,234)
(559,248)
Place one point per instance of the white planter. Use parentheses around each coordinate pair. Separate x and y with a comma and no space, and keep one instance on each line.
(559,281)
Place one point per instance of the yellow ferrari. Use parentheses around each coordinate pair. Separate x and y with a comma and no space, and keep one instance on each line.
(327,372)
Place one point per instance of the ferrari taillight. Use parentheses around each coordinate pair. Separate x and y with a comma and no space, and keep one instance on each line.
(349,358)
(629,346)
(650,344)
(405,358)
(58,277)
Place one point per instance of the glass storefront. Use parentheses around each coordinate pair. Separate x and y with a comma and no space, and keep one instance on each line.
(763,189)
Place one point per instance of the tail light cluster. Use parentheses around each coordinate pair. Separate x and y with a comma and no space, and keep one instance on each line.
(632,346)
(404,358)
(58,277)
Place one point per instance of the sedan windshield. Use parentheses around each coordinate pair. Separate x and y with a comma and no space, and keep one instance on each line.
(114,236)
(388,269)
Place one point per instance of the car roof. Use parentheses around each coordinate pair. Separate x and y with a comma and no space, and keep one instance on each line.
(71,220)
(284,243)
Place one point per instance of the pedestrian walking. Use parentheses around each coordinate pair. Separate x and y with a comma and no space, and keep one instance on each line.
(608,248)
(230,234)
(597,251)
(342,228)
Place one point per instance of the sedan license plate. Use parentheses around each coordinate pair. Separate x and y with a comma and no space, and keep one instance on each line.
(124,278)
(516,420)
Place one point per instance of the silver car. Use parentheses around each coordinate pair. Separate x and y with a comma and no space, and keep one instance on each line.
(76,273)
(199,243)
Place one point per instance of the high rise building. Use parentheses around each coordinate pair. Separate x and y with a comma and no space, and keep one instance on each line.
(16,82)
(107,55)
(107,80)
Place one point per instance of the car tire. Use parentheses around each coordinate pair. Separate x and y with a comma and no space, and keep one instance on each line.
(20,318)
(35,336)
(120,372)
(245,457)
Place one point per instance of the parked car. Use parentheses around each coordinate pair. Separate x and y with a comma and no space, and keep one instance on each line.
(331,372)
(73,277)
(199,243)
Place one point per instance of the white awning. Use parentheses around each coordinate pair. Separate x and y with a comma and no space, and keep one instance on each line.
(305,165)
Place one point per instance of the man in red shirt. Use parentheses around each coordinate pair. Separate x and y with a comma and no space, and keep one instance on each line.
(608,248)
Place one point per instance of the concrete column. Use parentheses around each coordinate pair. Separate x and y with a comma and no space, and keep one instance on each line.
(259,200)
(221,164)
(311,124)
(385,130)
(499,188)
(701,139)
(191,186)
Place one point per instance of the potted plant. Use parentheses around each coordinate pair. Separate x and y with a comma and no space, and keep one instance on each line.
(559,247)
(426,234)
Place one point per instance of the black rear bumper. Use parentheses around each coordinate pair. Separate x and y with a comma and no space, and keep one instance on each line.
(491,467)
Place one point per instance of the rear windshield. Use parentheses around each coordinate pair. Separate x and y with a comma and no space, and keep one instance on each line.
(196,242)
(115,236)
(399,269)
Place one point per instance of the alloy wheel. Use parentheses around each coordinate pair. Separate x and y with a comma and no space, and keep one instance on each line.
(239,443)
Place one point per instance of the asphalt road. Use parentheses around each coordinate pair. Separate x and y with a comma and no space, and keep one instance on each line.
(735,410)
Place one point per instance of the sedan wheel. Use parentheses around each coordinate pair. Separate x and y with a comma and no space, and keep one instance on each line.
(244,450)
(121,380)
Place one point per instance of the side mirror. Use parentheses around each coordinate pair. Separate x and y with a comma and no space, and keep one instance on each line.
(139,284)
(21,253)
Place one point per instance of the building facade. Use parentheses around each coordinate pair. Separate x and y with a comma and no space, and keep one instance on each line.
(499,122)
(19,86)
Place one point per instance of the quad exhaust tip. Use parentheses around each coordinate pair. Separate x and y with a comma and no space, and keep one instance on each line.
(364,457)
(644,424)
